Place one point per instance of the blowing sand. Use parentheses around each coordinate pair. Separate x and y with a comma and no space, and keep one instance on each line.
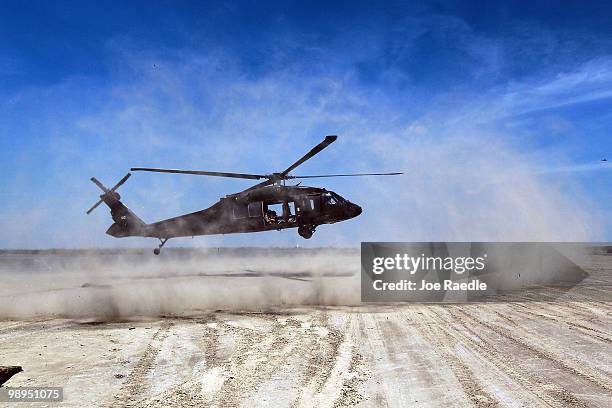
(241,331)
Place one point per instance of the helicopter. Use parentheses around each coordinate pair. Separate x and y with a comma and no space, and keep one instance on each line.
(267,206)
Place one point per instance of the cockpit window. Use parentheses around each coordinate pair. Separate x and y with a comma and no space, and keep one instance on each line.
(339,199)
(332,199)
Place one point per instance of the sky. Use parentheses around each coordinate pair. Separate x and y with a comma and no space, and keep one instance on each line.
(499,113)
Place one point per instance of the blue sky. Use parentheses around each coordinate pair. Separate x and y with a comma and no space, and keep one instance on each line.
(499,113)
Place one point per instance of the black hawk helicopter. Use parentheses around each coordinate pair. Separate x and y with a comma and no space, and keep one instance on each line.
(269,205)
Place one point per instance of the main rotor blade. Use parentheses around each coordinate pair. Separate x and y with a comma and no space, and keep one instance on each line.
(259,185)
(123,180)
(202,173)
(345,175)
(328,140)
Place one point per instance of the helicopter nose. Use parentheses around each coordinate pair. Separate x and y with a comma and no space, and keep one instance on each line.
(354,210)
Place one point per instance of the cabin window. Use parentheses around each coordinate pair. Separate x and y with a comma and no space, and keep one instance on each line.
(312,203)
(279,212)
(240,211)
(273,212)
(255,209)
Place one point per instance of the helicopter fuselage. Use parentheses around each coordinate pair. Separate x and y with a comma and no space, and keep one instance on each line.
(269,208)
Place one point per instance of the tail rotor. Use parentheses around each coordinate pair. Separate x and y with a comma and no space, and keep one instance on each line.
(107,192)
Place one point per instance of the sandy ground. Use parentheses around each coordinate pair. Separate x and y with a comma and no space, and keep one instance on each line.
(541,348)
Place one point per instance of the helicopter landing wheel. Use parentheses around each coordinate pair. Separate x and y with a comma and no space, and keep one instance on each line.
(306,231)
(162,242)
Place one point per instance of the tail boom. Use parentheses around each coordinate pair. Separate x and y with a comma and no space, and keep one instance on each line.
(126,223)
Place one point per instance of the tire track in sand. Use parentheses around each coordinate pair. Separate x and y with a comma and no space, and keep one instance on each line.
(589,332)
(136,382)
(506,362)
(407,370)
(256,357)
(541,379)
(565,362)
(446,346)
(189,393)
(334,365)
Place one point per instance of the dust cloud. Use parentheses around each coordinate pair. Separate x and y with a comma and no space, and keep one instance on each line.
(116,285)
(475,188)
